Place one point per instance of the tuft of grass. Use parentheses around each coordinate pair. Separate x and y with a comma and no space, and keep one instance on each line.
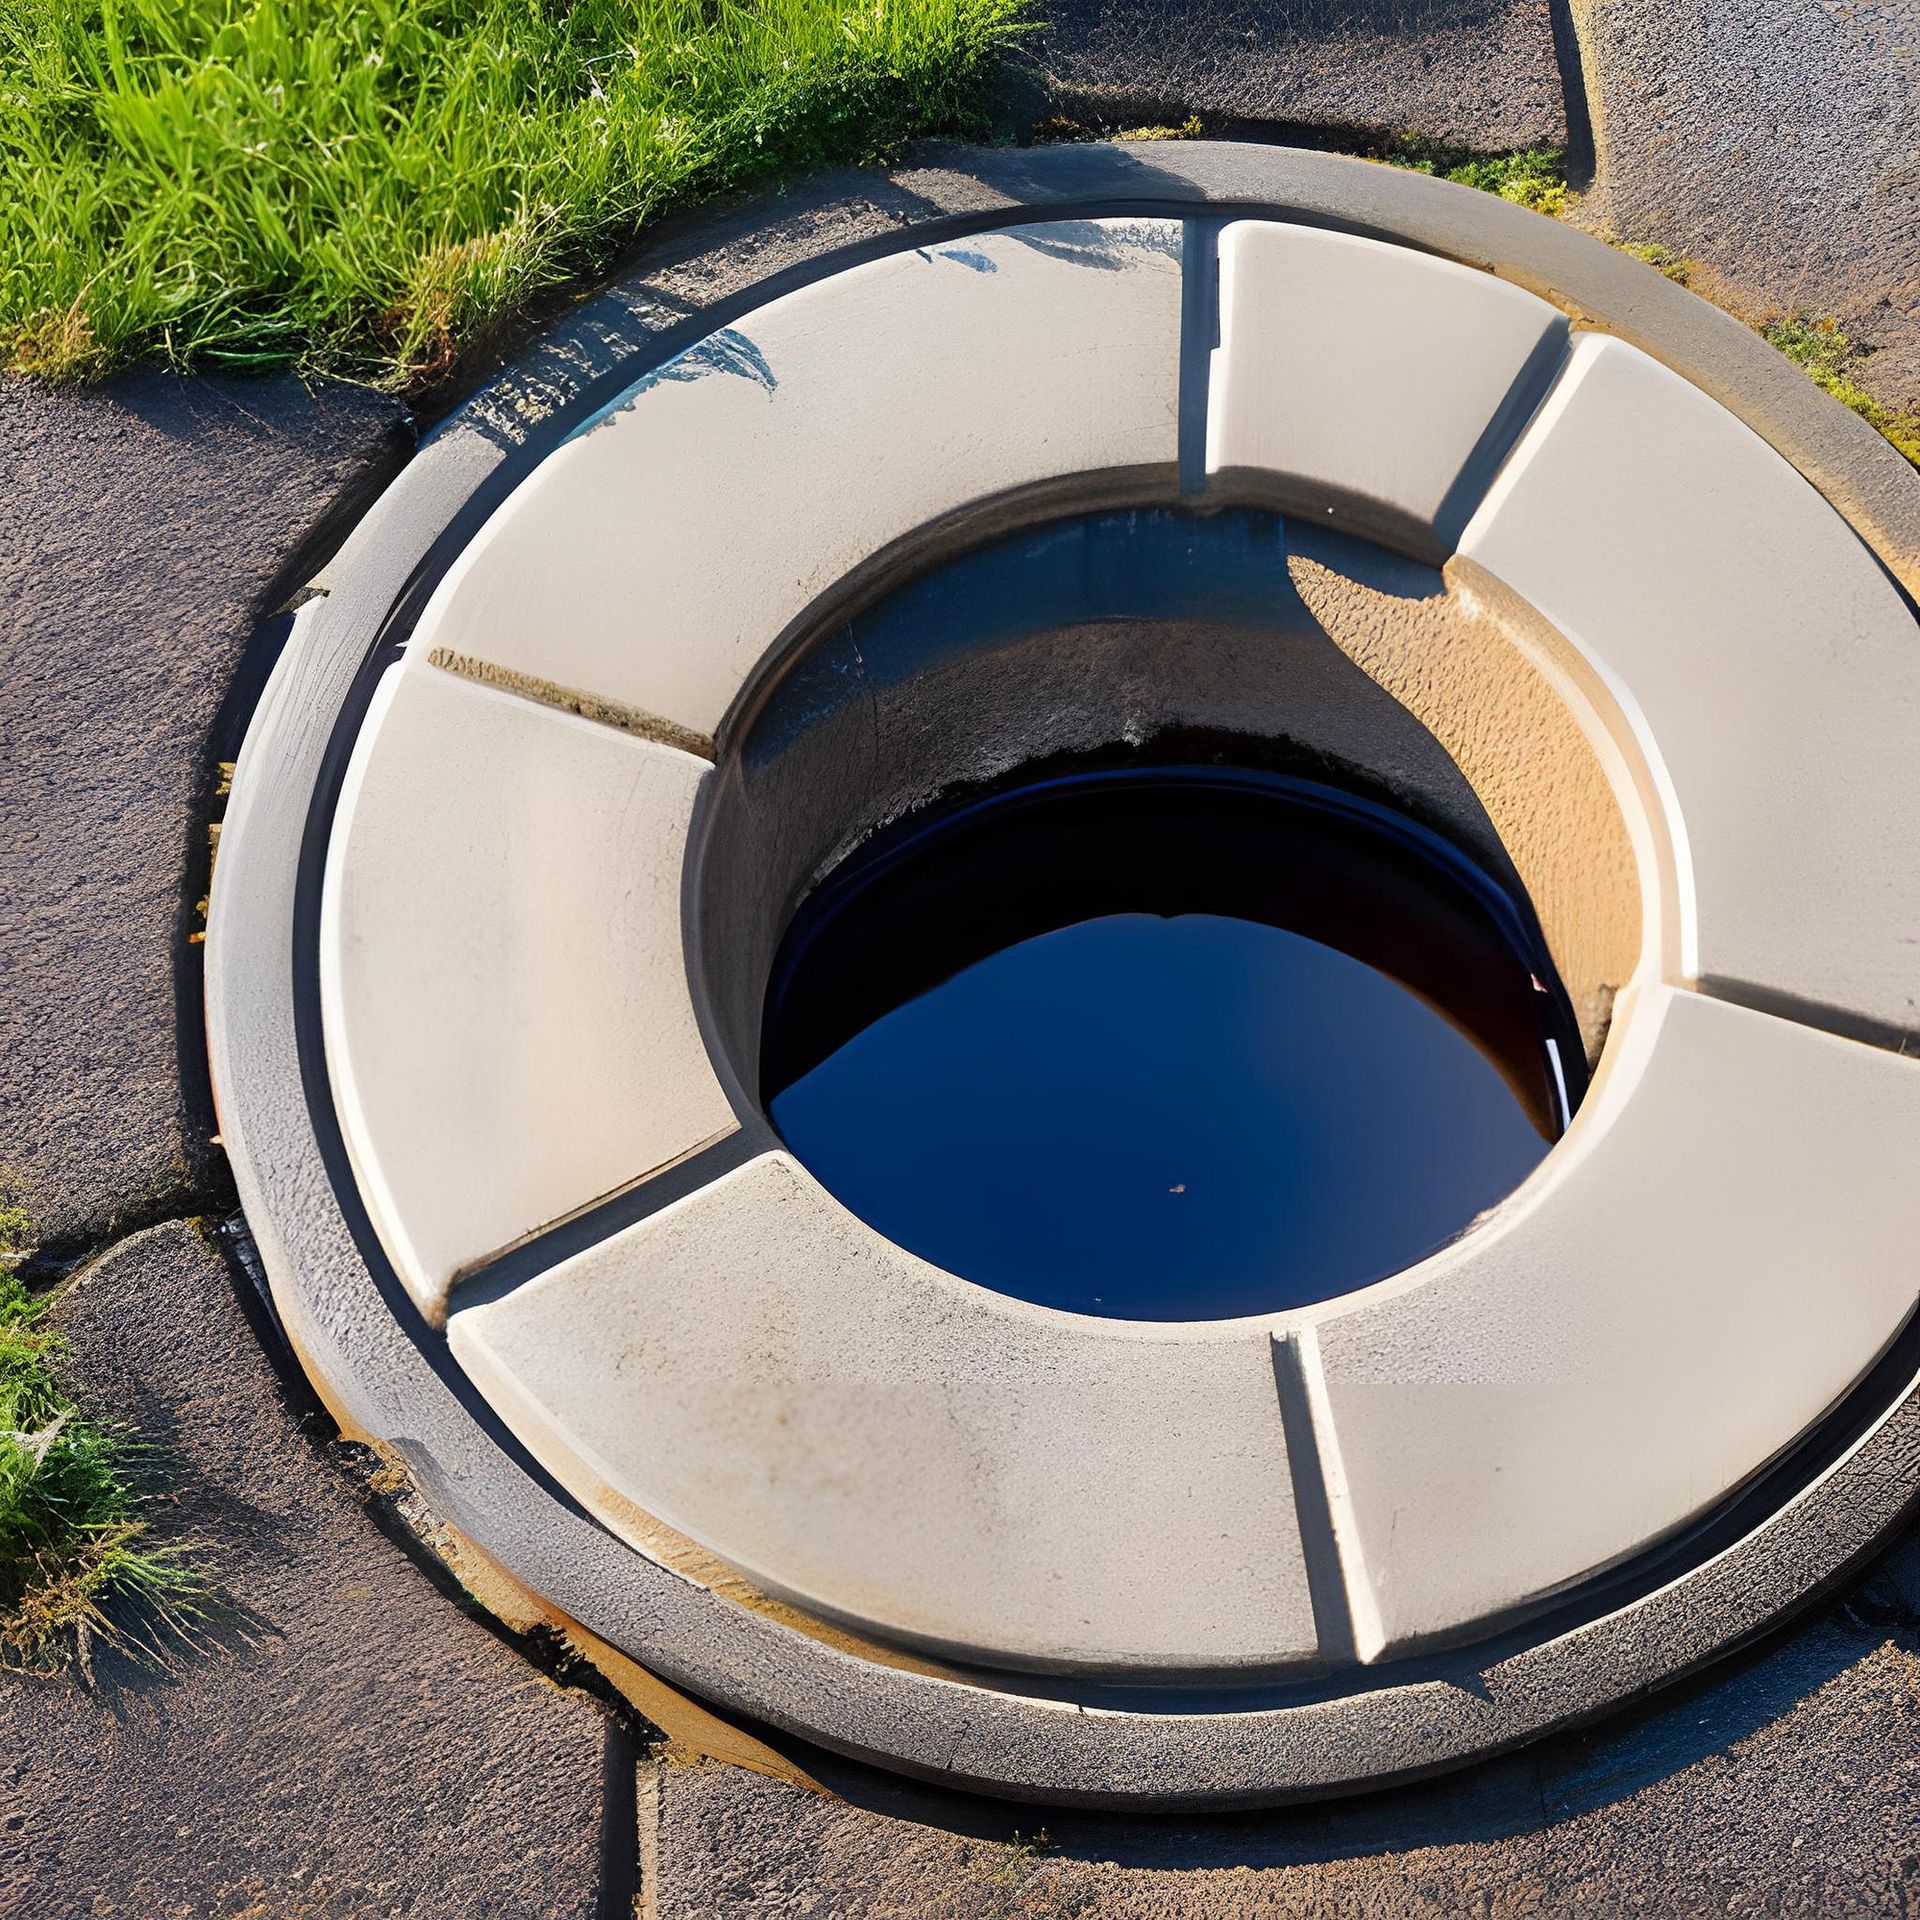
(1534,177)
(1677,267)
(1830,358)
(1189,129)
(77,1565)
(359,190)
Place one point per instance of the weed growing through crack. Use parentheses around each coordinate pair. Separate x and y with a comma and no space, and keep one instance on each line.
(360,190)
(1830,358)
(77,1565)
(1018,1857)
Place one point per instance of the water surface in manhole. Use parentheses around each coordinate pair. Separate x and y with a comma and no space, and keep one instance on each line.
(1166,1044)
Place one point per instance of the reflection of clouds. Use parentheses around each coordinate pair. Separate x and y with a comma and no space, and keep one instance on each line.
(728,351)
(1108,244)
(963,256)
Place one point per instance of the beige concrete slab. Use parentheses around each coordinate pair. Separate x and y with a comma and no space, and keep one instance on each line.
(503,986)
(1766,663)
(1365,375)
(652,558)
(880,1441)
(1719,1247)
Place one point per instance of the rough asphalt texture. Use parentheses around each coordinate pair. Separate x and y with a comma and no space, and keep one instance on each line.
(1777,141)
(1480,73)
(145,526)
(353,1744)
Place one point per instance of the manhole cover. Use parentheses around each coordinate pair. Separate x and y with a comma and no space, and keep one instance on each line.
(944,977)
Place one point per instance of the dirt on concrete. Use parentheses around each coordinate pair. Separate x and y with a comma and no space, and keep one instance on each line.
(1474,73)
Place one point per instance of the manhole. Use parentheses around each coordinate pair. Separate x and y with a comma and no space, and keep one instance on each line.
(1178,1043)
(1114,1007)
(1163,1030)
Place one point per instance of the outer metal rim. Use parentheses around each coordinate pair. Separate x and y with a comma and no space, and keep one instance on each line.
(1770,1553)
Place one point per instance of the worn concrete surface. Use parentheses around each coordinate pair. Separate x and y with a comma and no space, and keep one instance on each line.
(350,1745)
(1482,73)
(1789,1785)
(145,526)
(1777,142)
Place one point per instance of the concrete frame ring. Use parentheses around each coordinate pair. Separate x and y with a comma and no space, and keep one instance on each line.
(1778,1539)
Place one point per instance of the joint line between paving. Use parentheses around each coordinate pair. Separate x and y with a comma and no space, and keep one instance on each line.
(1331,1585)
(619,1890)
(1532,388)
(492,1279)
(1199,336)
(1818,1016)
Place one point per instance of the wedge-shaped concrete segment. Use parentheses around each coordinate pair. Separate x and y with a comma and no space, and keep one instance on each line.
(1375,384)
(1770,668)
(1716,1251)
(654,557)
(503,988)
(856,1429)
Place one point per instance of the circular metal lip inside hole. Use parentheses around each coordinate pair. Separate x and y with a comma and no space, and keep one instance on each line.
(1355,1039)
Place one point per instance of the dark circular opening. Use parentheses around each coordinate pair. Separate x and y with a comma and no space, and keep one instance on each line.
(1167,1043)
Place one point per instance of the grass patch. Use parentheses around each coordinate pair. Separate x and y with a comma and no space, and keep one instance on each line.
(1677,267)
(1191,128)
(1534,177)
(1830,358)
(358,190)
(76,1563)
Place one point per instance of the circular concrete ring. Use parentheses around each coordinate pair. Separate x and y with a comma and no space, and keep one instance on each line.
(1587,1533)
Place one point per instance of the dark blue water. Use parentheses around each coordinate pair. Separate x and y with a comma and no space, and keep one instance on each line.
(1165,1046)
